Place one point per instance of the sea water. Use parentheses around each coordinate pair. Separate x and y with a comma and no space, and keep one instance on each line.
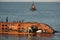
(46,12)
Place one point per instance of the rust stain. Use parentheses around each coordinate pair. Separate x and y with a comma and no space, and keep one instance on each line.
(24,25)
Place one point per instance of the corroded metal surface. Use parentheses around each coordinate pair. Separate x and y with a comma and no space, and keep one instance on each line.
(22,26)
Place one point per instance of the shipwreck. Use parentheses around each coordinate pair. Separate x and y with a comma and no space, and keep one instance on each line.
(22,27)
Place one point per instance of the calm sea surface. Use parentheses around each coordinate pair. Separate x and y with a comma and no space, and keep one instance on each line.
(48,13)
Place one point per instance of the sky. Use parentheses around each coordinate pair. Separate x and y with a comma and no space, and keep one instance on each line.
(29,0)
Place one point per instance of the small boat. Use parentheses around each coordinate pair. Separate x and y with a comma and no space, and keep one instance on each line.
(33,8)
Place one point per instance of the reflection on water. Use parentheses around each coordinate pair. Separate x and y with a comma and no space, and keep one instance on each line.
(39,36)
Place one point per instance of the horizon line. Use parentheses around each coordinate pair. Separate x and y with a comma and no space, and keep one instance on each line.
(12,1)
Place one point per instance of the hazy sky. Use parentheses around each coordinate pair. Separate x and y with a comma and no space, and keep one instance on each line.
(29,0)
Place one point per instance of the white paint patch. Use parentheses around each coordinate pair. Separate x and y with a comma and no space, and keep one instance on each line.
(39,31)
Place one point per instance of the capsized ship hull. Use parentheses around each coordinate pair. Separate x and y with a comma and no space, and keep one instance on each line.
(24,27)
